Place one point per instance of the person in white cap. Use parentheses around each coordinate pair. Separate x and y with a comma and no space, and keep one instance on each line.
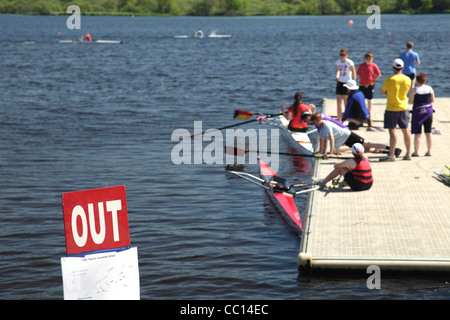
(356,171)
(355,109)
(396,89)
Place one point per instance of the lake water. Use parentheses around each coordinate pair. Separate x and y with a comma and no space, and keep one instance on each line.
(76,117)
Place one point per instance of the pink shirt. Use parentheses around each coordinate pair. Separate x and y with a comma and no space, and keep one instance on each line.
(367,73)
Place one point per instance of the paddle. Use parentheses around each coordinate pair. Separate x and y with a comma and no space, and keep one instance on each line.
(242,123)
(240,152)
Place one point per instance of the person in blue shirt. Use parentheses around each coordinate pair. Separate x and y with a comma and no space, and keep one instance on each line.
(410,60)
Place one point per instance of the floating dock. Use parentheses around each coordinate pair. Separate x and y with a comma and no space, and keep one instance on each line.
(401,224)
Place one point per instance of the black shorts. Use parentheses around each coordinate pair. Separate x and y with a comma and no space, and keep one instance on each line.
(427,126)
(355,184)
(354,138)
(340,89)
(368,91)
(394,118)
(412,76)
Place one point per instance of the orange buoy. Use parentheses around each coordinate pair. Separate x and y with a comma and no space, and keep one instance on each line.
(350,22)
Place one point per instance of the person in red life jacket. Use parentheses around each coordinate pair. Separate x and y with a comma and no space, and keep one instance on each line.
(86,37)
(294,113)
(357,171)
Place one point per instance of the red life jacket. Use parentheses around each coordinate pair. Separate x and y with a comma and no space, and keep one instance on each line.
(363,171)
(296,121)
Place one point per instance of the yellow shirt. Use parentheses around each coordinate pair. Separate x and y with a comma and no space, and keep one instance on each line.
(397,87)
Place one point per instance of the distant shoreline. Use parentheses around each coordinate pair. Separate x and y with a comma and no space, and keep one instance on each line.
(129,14)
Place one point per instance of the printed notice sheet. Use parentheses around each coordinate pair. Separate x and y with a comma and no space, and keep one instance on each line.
(102,276)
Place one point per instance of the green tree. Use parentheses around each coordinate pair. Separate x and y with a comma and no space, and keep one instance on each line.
(164,6)
(202,8)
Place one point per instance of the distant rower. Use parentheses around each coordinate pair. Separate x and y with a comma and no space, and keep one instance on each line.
(86,37)
(198,33)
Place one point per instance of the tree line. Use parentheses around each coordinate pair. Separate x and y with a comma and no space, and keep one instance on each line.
(221,7)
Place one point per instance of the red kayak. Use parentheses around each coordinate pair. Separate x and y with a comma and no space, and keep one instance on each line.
(280,194)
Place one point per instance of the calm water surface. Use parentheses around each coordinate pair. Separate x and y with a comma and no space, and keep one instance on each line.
(75,117)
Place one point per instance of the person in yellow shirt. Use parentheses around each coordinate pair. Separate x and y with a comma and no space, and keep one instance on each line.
(396,89)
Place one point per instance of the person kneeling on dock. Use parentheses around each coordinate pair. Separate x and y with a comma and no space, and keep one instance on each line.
(339,136)
(357,171)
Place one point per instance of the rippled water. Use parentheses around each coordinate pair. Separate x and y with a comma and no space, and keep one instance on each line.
(75,117)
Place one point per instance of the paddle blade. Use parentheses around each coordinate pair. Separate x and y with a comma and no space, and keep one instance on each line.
(241,114)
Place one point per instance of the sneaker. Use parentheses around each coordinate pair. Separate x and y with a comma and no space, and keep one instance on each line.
(397,152)
(427,154)
(407,157)
(371,129)
(414,155)
(388,158)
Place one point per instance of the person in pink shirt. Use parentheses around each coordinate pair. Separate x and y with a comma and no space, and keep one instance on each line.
(368,72)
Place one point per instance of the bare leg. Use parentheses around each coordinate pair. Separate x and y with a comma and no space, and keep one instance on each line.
(416,143)
(392,141)
(335,173)
(369,145)
(339,99)
(407,138)
(369,108)
(429,142)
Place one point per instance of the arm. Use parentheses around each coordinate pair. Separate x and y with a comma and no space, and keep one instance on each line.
(331,137)
(312,108)
(287,114)
(352,69)
(323,145)
(411,95)
(432,95)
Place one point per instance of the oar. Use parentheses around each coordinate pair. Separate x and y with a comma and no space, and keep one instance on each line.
(242,123)
(239,151)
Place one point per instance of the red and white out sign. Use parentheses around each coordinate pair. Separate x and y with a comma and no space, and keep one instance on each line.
(95,220)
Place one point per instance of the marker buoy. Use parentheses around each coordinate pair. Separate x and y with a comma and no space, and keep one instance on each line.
(350,22)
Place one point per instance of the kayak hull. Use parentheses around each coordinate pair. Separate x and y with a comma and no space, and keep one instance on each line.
(300,141)
(281,198)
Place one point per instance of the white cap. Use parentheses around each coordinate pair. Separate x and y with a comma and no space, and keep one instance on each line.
(398,63)
(357,148)
(351,84)
(305,114)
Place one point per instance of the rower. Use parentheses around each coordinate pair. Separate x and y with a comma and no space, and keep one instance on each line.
(294,113)
(198,33)
(88,37)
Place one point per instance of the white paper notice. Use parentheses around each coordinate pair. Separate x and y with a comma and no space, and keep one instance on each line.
(102,276)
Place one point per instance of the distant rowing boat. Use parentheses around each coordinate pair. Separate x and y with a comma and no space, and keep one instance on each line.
(280,194)
(91,42)
(220,36)
(212,35)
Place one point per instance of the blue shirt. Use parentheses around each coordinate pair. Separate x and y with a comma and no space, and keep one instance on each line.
(409,59)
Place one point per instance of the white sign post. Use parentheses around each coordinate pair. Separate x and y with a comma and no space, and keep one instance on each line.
(100,264)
